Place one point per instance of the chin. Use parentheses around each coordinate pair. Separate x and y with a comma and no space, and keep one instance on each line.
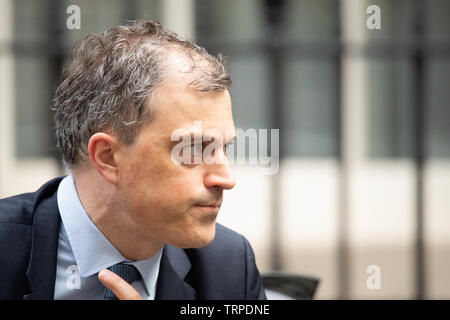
(203,242)
(199,239)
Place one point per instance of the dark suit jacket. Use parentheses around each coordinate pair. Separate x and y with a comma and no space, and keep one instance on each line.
(29,228)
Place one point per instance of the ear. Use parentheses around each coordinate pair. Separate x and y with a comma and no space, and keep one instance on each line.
(102,148)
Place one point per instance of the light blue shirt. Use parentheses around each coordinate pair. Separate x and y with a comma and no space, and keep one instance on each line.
(83,251)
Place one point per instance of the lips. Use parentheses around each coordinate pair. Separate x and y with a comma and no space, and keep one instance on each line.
(212,205)
(212,208)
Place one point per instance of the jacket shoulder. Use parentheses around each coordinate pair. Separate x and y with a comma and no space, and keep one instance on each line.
(225,269)
(19,209)
(227,244)
(227,237)
(16,221)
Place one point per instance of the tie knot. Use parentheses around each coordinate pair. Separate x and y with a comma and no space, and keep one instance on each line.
(127,272)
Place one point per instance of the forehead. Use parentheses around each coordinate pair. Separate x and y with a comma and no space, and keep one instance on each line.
(179,106)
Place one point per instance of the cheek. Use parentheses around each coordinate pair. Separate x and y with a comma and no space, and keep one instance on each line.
(133,177)
(151,178)
(141,168)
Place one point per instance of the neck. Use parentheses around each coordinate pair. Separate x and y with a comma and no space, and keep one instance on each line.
(97,197)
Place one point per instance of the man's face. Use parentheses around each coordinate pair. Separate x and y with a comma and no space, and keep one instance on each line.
(171,202)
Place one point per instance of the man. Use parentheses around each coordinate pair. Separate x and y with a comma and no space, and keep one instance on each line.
(130,222)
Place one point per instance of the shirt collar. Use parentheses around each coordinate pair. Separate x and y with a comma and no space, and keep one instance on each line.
(92,250)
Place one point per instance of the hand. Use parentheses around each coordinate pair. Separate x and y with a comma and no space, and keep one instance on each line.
(122,289)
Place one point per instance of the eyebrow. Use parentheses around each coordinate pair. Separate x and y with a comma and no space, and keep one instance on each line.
(202,138)
(232,140)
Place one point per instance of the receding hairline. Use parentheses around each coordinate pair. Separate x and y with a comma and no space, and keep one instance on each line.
(180,66)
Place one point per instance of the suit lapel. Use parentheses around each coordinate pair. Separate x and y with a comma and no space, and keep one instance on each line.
(41,271)
(175,265)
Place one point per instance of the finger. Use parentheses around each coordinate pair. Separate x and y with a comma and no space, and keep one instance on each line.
(122,289)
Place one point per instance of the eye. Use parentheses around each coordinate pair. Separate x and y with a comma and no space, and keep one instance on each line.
(194,150)
(197,149)
(227,146)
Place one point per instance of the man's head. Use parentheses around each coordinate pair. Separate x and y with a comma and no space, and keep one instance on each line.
(122,95)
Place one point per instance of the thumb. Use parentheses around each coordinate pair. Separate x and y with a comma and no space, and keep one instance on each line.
(122,289)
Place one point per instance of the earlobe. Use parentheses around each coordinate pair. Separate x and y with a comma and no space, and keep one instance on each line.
(102,148)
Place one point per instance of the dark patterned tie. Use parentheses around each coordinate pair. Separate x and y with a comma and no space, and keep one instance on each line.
(127,272)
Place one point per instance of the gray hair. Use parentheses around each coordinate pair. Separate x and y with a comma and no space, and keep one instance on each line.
(109,77)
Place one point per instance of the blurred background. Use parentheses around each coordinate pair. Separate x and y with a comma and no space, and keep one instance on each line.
(364,119)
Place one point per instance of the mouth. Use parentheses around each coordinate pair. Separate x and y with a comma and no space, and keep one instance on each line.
(209,207)
(212,204)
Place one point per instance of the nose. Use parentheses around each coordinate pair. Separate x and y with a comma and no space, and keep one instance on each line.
(219,175)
